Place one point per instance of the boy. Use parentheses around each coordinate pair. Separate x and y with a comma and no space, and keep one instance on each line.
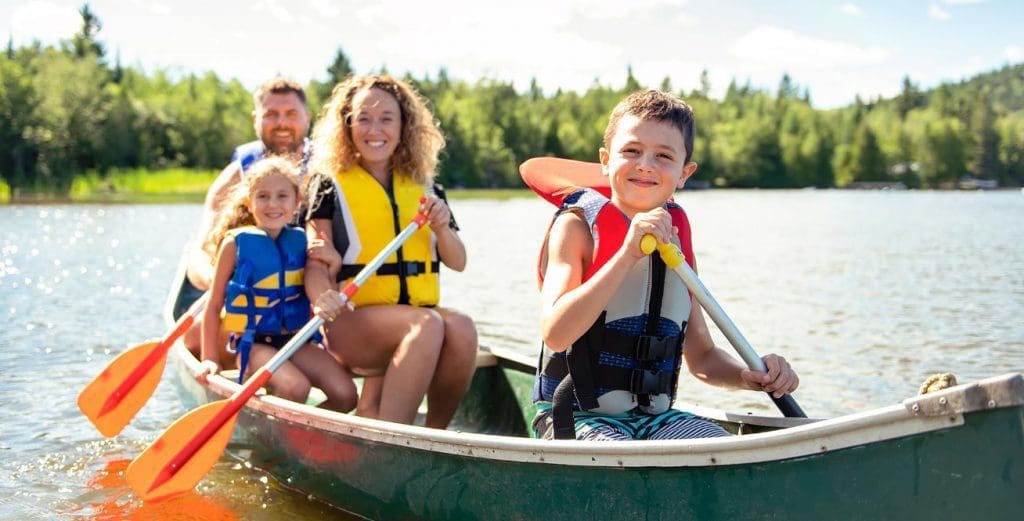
(615,325)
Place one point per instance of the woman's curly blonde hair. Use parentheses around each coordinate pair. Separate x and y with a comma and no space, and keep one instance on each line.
(421,139)
(236,209)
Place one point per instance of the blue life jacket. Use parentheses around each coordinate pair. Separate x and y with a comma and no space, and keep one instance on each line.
(248,153)
(265,294)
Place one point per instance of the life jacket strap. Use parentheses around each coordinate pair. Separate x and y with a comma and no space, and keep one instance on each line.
(403,269)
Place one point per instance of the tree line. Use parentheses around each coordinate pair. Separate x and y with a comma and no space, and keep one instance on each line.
(69,109)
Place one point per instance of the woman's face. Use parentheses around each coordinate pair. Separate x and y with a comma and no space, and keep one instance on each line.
(376,124)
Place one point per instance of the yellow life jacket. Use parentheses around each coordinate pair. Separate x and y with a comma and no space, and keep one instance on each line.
(372,217)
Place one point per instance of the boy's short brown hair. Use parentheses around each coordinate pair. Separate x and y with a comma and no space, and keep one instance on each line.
(278,85)
(654,105)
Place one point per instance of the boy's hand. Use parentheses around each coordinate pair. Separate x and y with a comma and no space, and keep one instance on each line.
(656,222)
(438,214)
(329,305)
(779,380)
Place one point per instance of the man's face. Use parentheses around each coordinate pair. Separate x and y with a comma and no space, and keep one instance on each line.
(281,121)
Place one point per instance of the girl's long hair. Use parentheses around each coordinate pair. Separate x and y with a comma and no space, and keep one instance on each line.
(236,209)
(421,139)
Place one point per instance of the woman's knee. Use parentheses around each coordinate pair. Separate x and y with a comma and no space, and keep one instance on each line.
(428,326)
(460,332)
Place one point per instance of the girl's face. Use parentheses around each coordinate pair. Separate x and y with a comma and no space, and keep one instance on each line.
(272,202)
(376,124)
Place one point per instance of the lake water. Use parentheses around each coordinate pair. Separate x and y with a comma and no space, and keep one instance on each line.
(866,293)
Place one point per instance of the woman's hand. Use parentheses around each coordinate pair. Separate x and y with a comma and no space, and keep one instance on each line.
(207,368)
(318,250)
(779,380)
(656,222)
(330,304)
(439,216)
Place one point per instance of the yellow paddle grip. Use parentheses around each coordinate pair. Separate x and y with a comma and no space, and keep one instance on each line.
(669,252)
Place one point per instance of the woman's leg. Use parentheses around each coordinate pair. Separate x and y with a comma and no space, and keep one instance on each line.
(455,368)
(288,382)
(321,369)
(369,397)
(403,340)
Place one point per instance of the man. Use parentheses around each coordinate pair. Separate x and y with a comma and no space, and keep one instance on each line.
(281,121)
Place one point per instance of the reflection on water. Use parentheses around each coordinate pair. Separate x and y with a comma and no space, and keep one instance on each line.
(867,294)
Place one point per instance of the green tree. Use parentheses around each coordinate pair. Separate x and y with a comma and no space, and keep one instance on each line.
(84,42)
(864,162)
(984,150)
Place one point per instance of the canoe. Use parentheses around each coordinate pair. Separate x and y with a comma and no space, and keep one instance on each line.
(953,454)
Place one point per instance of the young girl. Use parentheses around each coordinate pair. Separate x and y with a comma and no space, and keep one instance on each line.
(257,290)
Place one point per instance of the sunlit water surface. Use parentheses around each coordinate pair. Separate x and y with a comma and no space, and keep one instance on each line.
(867,293)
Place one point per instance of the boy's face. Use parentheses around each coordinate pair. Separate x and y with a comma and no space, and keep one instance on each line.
(646,163)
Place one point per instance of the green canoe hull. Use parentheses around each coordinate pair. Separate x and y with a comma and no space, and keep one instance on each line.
(958,455)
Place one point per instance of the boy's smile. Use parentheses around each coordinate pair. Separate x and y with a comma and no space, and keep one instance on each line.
(646,162)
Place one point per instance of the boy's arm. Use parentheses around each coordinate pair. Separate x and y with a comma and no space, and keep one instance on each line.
(570,306)
(715,366)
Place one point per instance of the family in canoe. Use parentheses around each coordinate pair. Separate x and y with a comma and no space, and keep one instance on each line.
(292,220)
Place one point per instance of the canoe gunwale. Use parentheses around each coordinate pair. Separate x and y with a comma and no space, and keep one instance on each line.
(863,428)
(990,393)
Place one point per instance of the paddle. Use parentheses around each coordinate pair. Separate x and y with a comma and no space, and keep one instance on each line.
(113,398)
(675,260)
(187,450)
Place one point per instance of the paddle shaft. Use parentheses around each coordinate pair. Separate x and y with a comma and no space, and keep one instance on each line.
(674,259)
(263,374)
(180,327)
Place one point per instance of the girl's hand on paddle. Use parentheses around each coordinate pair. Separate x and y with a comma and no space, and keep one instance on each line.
(438,214)
(656,222)
(207,368)
(329,305)
(779,380)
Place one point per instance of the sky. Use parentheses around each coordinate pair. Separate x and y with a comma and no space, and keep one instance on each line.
(835,49)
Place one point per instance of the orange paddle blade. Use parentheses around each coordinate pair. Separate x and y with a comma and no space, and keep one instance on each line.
(553,178)
(107,403)
(154,476)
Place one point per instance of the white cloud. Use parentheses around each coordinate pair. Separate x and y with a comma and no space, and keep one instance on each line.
(274,9)
(325,8)
(963,2)
(159,8)
(44,21)
(785,48)
(938,13)
(1013,53)
(851,9)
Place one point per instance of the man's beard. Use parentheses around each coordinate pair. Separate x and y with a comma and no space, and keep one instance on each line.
(294,146)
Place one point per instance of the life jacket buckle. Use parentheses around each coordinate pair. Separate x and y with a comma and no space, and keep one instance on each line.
(412,268)
(648,381)
(654,348)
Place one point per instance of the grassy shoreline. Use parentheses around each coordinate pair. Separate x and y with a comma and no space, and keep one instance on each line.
(176,185)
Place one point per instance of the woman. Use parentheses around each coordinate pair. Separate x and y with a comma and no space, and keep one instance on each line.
(376,150)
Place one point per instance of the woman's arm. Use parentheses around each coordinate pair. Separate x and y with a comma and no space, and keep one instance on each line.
(449,245)
(318,277)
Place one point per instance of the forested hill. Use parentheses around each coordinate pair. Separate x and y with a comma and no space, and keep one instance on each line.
(73,108)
